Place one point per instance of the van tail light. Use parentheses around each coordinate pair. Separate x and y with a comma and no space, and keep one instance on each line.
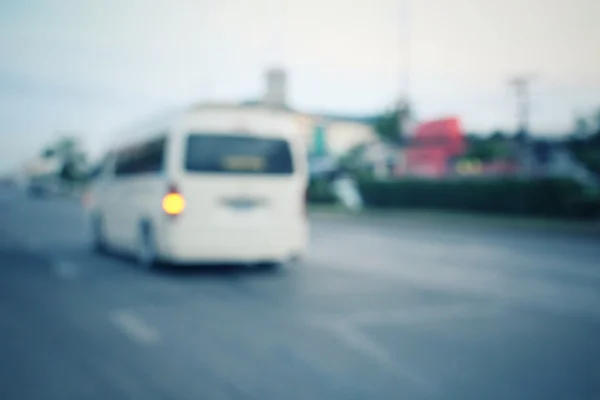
(173,202)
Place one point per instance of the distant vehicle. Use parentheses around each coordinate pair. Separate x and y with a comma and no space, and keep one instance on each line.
(36,190)
(41,175)
(214,184)
(42,186)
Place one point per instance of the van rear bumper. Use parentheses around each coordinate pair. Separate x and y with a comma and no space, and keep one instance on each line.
(236,246)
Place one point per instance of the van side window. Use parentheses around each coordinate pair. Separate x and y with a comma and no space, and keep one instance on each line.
(151,157)
(143,159)
(122,165)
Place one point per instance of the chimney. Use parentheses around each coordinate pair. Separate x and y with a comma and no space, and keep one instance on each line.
(275,95)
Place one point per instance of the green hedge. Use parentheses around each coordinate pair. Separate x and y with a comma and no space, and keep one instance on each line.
(540,197)
(319,192)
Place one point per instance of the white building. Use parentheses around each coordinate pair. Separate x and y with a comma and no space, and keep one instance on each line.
(341,133)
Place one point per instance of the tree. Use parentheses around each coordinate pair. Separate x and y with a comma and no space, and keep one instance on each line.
(521,136)
(488,148)
(582,126)
(584,143)
(66,147)
(70,155)
(69,171)
(498,136)
(597,122)
(48,153)
(481,150)
(390,125)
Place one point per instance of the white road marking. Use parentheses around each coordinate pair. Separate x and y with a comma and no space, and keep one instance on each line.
(361,342)
(416,316)
(134,327)
(347,328)
(356,340)
(336,287)
(66,269)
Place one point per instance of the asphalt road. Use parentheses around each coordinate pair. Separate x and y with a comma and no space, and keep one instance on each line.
(376,311)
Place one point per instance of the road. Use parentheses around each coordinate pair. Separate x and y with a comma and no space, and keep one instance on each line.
(376,311)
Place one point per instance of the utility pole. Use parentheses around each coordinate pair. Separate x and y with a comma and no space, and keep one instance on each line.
(521,85)
(404,61)
(403,105)
(404,44)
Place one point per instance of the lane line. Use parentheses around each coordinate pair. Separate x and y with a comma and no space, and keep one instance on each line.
(66,269)
(134,327)
(359,342)
(348,330)
(490,285)
(424,315)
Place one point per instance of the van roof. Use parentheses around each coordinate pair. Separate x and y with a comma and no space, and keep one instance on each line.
(165,120)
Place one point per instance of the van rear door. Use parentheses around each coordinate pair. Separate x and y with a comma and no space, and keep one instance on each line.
(240,181)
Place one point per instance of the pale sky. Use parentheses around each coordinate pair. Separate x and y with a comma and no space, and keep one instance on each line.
(93,66)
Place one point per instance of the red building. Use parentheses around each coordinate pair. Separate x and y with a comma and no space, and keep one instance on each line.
(434,145)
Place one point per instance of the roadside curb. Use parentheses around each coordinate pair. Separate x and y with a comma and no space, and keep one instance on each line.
(584,228)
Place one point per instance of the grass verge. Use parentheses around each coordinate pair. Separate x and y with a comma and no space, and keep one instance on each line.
(589,227)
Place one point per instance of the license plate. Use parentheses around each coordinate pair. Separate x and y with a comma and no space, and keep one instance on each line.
(242,204)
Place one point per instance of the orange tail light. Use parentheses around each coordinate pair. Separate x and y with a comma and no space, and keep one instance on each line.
(173,202)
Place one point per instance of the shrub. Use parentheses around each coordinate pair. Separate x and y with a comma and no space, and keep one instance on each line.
(320,192)
(509,196)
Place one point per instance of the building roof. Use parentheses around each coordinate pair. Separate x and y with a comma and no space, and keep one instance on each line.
(361,119)
(260,103)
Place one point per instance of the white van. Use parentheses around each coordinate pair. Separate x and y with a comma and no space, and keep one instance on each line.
(211,184)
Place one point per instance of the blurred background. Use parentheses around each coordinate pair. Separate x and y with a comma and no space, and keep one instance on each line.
(454,153)
(470,93)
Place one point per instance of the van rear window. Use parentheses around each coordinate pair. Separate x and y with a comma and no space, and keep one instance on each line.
(238,154)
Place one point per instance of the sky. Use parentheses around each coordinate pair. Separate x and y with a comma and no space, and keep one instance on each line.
(91,67)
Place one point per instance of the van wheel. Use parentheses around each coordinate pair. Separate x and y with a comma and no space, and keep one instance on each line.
(146,254)
(98,241)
